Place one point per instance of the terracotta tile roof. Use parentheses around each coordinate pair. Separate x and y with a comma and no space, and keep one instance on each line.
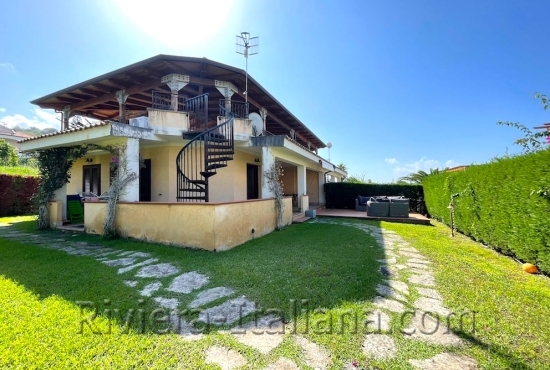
(66,131)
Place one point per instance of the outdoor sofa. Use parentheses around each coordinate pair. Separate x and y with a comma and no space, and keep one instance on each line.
(383,206)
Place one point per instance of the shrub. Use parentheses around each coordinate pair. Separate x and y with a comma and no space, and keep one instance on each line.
(343,194)
(505,204)
(16,194)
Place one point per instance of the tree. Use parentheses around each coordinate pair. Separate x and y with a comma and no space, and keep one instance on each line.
(8,155)
(359,179)
(532,140)
(418,177)
(342,166)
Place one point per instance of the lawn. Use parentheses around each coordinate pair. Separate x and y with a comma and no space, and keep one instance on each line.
(326,269)
(19,170)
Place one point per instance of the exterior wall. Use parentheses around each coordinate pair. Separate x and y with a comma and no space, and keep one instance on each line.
(55,209)
(207,226)
(242,128)
(164,121)
(229,184)
(75,184)
(312,186)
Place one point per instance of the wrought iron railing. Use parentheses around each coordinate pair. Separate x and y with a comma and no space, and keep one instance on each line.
(198,112)
(201,157)
(239,109)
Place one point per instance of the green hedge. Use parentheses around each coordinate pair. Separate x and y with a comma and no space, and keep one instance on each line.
(504,204)
(343,194)
(16,194)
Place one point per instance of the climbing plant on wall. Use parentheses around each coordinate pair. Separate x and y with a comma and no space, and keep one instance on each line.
(54,166)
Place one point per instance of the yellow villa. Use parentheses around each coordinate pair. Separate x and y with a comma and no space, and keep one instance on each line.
(200,145)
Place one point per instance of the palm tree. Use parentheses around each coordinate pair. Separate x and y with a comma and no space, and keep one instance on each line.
(418,177)
(343,167)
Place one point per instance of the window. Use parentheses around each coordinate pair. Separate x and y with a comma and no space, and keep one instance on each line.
(91,179)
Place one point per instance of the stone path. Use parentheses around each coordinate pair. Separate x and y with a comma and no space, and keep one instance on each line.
(222,305)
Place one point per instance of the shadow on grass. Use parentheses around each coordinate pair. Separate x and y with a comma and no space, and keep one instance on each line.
(311,266)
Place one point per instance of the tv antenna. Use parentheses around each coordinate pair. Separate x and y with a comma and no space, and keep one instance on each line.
(246,46)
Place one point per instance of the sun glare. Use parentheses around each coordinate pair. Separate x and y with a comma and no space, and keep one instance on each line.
(178,23)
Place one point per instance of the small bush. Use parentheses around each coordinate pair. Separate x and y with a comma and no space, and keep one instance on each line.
(16,194)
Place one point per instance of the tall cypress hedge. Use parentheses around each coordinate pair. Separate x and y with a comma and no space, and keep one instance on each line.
(504,204)
(343,194)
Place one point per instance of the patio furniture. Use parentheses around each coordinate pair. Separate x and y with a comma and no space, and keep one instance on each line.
(399,207)
(76,212)
(361,203)
(378,207)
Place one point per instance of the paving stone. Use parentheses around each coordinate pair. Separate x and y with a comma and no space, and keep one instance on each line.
(422,279)
(140,255)
(187,282)
(431,305)
(125,253)
(399,267)
(398,285)
(388,271)
(389,292)
(123,270)
(411,254)
(268,324)
(419,260)
(170,303)
(378,321)
(226,358)
(379,346)
(120,262)
(263,343)
(228,312)
(429,292)
(107,253)
(445,361)
(388,304)
(158,271)
(130,283)
(149,289)
(418,266)
(314,355)
(283,364)
(80,252)
(430,329)
(409,249)
(210,295)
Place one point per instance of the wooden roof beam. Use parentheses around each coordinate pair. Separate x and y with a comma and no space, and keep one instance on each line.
(112,96)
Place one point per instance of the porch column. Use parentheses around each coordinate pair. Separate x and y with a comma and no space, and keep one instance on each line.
(121,97)
(322,199)
(267,160)
(227,89)
(130,193)
(263,114)
(60,195)
(175,82)
(301,175)
(66,115)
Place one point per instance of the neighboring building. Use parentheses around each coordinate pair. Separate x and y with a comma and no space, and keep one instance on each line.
(11,136)
(200,149)
(457,168)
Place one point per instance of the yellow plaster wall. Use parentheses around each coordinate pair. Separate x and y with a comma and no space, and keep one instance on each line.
(77,171)
(207,226)
(229,184)
(312,186)
(55,211)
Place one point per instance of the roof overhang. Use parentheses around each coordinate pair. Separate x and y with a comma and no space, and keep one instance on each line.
(96,97)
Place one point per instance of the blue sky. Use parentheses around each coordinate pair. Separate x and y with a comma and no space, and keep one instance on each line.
(396,86)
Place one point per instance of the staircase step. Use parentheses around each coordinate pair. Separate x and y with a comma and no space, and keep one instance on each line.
(207,174)
(195,190)
(215,165)
(221,151)
(217,140)
(198,198)
(219,159)
(197,182)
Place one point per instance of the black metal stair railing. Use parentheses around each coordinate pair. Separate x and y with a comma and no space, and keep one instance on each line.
(198,112)
(239,109)
(201,158)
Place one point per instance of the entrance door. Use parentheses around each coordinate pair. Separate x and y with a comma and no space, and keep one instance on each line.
(252,182)
(145,181)
(91,179)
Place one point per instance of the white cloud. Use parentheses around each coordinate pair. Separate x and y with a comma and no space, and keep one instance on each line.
(8,66)
(2,110)
(41,119)
(423,164)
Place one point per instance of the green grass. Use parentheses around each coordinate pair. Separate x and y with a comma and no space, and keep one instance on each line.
(329,269)
(19,170)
